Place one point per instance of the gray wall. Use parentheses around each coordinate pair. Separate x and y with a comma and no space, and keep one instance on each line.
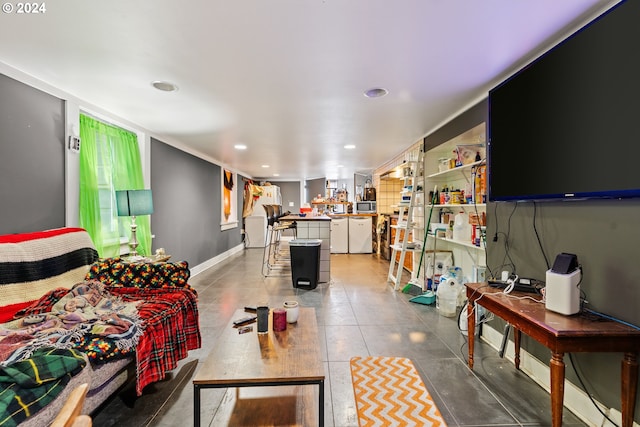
(186,189)
(604,235)
(31,159)
(314,187)
(290,192)
(187,199)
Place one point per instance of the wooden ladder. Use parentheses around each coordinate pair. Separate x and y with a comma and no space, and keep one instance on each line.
(413,183)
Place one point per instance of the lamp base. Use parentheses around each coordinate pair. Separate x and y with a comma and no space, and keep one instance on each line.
(133,242)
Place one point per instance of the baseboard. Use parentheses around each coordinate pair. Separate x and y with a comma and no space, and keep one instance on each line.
(575,399)
(216,260)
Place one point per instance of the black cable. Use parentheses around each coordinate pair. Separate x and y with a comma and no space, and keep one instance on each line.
(584,388)
(506,242)
(495,215)
(583,294)
(535,229)
(483,242)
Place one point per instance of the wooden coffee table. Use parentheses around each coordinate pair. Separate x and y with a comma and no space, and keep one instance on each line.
(291,357)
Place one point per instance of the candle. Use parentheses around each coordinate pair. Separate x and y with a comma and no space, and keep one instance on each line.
(279,319)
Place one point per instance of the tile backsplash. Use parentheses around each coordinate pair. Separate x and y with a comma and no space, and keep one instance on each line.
(389,195)
(388,190)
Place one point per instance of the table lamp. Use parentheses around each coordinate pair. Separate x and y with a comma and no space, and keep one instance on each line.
(134,203)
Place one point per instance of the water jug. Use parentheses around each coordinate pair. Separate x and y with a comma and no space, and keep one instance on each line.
(461,228)
(447,297)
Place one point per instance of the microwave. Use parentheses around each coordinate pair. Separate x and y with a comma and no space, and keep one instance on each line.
(366,207)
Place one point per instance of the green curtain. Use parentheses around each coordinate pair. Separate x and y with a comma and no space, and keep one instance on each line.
(109,161)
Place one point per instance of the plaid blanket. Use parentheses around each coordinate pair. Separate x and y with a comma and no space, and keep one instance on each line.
(30,385)
(171,327)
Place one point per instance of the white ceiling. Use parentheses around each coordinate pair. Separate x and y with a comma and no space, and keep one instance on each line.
(285,77)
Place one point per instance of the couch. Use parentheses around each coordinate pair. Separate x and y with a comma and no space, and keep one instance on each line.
(68,317)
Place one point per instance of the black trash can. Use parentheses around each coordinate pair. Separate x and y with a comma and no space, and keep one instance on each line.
(305,262)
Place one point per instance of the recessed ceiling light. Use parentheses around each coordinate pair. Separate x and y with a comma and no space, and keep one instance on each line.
(375,92)
(340,166)
(240,147)
(349,146)
(276,174)
(265,166)
(164,86)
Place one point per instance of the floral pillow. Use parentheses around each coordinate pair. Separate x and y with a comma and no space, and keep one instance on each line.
(119,273)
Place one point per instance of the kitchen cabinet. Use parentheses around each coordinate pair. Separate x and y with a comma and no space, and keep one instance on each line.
(360,234)
(340,235)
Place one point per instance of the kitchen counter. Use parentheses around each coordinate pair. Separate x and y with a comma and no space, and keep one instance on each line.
(315,227)
(294,217)
(352,214)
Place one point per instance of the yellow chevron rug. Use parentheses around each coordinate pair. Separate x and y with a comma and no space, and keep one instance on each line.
(390,392)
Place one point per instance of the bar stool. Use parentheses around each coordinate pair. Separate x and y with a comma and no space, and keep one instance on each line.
(285,225)
(272,255)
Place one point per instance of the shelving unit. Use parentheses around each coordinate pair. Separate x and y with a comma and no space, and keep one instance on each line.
(467,255)
(330,204)
(410,222)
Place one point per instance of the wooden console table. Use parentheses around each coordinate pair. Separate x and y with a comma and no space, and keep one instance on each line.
(561,334)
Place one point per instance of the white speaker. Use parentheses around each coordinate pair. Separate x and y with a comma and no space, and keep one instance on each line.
(562,293)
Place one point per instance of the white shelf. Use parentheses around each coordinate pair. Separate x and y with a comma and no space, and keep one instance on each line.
(458,242)
(403,226)
(467,255)
(445,174)
(460,205)
(414,249)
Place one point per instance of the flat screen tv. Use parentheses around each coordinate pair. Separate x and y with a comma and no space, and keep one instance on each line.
(567,126)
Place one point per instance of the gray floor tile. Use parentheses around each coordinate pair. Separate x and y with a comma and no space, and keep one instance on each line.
(359,314)
(344,342)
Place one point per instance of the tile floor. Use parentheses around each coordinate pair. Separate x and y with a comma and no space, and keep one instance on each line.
(358,314)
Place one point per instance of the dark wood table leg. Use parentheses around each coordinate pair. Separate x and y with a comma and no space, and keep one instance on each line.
(516,346)
(557,388)
(196,406)
(321,405)
(629,382)
(471,330)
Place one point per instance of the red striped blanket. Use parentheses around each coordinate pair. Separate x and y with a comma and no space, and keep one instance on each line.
(32,264)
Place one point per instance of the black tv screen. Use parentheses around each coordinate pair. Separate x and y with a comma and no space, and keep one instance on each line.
(567,126)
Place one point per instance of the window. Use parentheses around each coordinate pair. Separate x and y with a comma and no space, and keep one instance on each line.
(109,161)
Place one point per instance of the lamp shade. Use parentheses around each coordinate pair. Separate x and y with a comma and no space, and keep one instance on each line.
(134,202)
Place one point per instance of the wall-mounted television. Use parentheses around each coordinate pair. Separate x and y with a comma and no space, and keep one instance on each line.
(567,126)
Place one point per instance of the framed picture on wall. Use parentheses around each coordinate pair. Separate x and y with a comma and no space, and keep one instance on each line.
(229,205)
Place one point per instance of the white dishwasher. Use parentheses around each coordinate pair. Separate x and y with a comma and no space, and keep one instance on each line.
(360,241)
(339,235)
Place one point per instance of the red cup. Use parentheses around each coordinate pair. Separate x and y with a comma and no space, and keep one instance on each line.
(279,319)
